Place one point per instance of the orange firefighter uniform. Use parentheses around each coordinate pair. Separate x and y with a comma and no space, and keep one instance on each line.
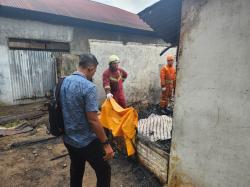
(168,80)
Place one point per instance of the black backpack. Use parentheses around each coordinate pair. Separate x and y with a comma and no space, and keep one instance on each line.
(56,124)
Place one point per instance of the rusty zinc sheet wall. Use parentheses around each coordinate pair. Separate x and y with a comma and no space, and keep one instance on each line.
(66,64)
(32,73)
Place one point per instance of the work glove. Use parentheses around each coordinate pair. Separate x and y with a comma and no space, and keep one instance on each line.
(163,89)
(109,95)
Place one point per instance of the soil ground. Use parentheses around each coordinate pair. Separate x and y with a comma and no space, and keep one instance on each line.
(30,165)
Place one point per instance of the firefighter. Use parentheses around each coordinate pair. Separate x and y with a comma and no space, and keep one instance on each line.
(168,79)
(113,79)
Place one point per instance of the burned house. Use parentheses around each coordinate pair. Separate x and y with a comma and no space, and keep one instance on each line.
(34,33)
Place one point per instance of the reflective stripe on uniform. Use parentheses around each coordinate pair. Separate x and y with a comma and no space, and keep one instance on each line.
(169,81)
(116,79)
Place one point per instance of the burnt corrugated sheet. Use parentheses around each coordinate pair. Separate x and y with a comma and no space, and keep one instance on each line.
(155,127)
(81,9)
(165,18)
(32,73)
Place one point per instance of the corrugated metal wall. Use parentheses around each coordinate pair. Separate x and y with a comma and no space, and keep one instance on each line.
(32,73)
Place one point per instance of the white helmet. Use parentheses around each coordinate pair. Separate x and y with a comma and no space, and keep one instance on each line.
(114,58)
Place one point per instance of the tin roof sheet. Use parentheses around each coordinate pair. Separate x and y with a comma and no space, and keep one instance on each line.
(81,9)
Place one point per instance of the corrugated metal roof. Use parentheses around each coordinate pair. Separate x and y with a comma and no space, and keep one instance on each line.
(81,9)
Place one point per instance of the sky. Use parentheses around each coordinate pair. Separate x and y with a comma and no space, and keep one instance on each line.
(134,6)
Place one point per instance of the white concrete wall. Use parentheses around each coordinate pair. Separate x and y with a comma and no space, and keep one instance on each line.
(211,134)
(141,61)
(24,29)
